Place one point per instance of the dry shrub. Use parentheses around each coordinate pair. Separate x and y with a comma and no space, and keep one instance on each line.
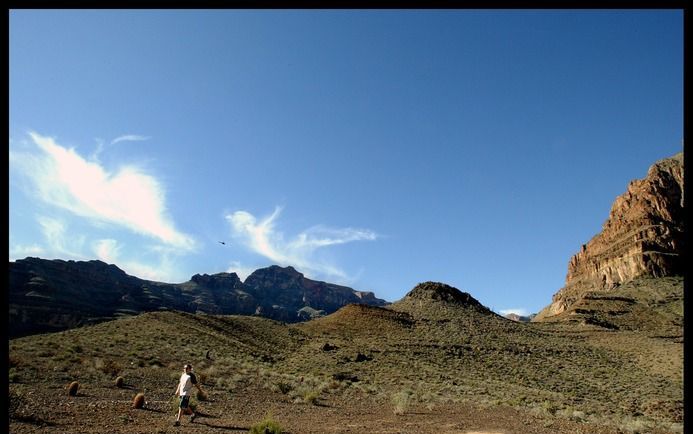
(15,403)
(201,395)
(15,361)
(282,386)
(119,382)
(311,396)
(400,402)
(109,367)
(205,376)
(267,426)
(138,401)
(72,388)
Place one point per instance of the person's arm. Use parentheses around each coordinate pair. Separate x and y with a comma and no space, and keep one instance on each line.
(177,389)
(195,383)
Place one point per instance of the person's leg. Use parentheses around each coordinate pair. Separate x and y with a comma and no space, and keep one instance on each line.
(177,422)
(183,407)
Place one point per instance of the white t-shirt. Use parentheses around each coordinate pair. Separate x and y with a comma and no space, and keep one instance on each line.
(186,383)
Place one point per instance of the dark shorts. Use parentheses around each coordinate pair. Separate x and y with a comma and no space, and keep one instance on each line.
(184,401)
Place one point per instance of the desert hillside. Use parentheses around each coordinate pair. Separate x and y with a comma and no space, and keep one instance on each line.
(435,360)
(605,357)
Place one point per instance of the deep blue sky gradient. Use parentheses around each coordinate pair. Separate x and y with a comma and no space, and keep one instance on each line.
(483,147)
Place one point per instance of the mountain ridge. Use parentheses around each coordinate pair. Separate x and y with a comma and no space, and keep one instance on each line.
(53,295)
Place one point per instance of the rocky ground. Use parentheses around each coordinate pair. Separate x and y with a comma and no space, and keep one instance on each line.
(425,365)
(106,409)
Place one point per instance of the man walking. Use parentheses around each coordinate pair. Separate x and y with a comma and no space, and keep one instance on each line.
(185,385)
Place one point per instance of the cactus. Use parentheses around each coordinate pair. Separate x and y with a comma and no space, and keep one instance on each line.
(72,388)
(138,401)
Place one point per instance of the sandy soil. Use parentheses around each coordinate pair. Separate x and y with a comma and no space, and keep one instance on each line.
(109,410)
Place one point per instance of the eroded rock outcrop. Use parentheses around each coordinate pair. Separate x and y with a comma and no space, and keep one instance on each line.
(643,237)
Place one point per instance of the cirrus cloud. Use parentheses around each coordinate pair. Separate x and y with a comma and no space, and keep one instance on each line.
(128,197)
(109,251)
(261,237)
(129,138)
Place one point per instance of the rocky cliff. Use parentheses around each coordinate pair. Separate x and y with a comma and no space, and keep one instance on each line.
(284,293)
(643,237)
(52,295)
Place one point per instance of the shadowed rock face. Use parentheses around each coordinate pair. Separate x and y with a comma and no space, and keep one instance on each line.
(643,237)
(281,292)
(53,295)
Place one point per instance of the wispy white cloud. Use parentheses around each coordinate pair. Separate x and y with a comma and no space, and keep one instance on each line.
(60,244)
(129,138)
(241,270)
(129,197)
(20,251)
(156,273)
(153,262)
(109,251)
(261,237)
(101,145)
(97,152)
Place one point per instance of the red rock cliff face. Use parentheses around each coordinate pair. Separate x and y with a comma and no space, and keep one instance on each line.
(643,236)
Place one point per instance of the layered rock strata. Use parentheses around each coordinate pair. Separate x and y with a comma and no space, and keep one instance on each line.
(643,237)
(53,295)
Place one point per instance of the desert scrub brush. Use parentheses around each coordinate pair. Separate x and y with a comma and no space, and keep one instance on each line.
(201,395)
(267,426)
(400,402)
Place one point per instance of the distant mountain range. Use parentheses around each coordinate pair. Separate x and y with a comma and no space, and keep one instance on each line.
(629,276)
(53,295)
(520,318)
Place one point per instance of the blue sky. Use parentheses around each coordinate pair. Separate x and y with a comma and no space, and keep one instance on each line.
(376,149)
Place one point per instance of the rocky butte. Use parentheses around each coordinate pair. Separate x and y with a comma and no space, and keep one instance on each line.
(643,237)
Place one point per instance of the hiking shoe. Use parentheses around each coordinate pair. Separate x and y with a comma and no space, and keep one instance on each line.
(176,423)
(192,418)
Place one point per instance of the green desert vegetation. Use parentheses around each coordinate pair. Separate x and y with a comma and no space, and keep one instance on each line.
(411,355)
(400,401)
(267,426)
